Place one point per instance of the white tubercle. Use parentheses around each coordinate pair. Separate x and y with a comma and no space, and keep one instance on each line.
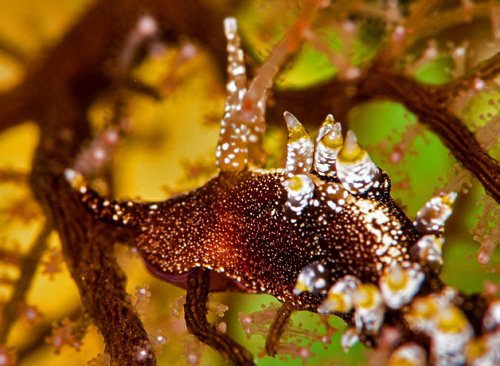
(355,169)
(339,298)
(431,218)
(232,148)
(76,180)
(300,148)
(334,195)
(452,333)
(349,338)
(447,325)
(399,285)
(369,307)
(409,354)
(313,278)
(328,145)
(300,189)
(484,350)
(428,250)
(492,317)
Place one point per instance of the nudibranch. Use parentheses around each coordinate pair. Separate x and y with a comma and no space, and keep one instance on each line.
(323,235)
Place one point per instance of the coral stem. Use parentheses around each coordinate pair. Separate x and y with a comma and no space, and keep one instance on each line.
(27,269)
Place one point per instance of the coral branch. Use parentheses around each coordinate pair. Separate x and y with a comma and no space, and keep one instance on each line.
(80,67)
(425,103)
(80,59)
(487,231)
(486,70)
(27,268)
(88,250)
(195,311)
(278,327)
(71,75)
(288,46)
(10,50)
(13,176)
(430,22)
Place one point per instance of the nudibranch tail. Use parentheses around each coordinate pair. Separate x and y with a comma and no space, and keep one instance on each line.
(328,145)
(121,213)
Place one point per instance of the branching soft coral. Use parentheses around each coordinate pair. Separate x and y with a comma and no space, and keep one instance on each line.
(487,230)
(97,55)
